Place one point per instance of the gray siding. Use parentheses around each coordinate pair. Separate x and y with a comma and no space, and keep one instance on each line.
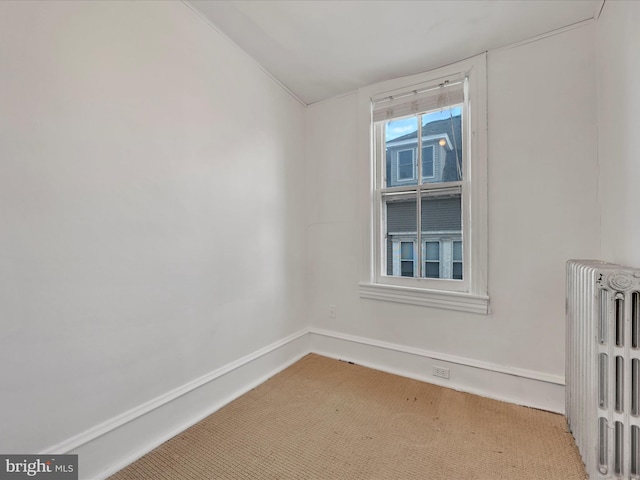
(437,214)
(441,214)
(401,217)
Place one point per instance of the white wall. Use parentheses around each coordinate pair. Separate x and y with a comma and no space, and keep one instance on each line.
(151,211)
(618,38)
(542,211)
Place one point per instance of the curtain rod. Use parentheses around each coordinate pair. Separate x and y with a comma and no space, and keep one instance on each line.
(389,98)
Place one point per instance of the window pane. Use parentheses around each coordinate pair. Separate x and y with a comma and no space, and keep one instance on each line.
(442,212)
(433,251)
(405,165)
(442,132)
(427,161)
(401,140)
(407,269)
(457,270)
(432,269)
(400,230)
(457,251)
(406,251)
(457,260)
(441,223)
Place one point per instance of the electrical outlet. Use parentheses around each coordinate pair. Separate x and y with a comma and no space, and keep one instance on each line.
(332,311)
(441,372)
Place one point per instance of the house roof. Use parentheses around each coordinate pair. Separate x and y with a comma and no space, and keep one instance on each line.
(448,126)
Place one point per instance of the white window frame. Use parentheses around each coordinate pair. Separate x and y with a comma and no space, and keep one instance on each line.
(413,166)
(471,293)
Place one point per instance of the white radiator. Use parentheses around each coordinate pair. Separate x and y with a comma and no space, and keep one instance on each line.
(603,367)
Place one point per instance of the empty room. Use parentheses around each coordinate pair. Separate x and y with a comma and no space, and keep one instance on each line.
(319,239)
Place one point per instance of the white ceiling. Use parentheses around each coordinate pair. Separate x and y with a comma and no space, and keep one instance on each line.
(320,49)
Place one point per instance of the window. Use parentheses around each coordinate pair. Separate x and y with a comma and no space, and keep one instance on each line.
(406,259)
(432,260)
(427,162)
(405,165)
(456,260)
(424,143)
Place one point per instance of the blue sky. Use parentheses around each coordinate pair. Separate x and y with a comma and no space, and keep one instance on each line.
(397,128)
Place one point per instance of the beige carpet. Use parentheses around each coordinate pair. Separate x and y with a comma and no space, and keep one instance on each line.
(326,419)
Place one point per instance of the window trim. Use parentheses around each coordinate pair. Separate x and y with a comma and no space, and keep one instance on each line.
(474,295)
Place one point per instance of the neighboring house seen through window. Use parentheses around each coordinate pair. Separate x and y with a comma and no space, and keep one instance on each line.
(429,206)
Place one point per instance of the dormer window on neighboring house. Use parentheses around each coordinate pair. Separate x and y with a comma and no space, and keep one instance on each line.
(439,139)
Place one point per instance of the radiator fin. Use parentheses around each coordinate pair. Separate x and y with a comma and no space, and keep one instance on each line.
(619,321)
(602,383)
(619,384)
(635,331)
(635,378)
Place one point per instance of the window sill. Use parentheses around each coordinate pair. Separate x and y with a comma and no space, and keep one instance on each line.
(463,302)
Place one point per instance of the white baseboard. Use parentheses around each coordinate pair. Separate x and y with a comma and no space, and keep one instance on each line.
(109,447)
(112,445)
(508,384)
